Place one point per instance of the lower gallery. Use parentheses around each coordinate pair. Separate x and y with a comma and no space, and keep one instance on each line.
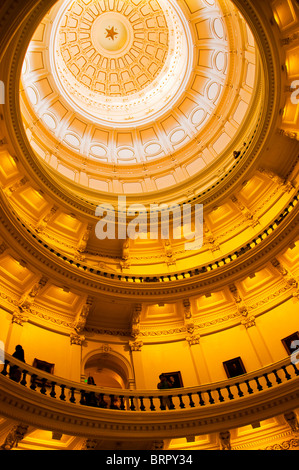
(182,338)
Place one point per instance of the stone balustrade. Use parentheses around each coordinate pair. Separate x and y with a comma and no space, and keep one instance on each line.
(206,395)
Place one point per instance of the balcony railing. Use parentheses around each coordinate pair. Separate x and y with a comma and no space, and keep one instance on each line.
(203,396)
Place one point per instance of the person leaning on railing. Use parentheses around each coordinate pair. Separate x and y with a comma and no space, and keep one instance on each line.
(14,371)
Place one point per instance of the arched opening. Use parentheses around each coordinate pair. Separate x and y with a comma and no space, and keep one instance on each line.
(108,370)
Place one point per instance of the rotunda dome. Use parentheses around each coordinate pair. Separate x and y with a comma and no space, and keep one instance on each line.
(140,97)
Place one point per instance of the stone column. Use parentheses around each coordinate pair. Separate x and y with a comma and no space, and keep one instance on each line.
(75,359)
(193,339)
(135,347)
(199,362)
(16,331)
(259,345)
(249,322)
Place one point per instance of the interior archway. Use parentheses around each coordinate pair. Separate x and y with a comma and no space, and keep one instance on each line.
(107,370)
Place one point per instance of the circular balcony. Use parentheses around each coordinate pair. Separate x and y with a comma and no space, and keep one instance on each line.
(44,400)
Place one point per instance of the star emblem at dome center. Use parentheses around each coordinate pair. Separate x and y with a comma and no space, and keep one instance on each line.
(111,33)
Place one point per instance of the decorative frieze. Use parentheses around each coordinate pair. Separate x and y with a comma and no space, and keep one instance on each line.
(291,444)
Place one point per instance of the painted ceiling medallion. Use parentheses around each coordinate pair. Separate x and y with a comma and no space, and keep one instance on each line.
(111,36)
(111,33)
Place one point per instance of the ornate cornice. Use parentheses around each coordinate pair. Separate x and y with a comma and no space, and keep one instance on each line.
(282,292)
(41,258)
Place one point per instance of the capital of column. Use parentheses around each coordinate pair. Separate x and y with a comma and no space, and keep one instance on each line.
(19,318)
(77,339)
(135,345)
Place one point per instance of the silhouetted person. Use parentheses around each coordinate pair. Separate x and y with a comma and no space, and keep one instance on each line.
(19,353)
(14,371)
(163,384)
(114,404)
(90,397)
(91,381)
(102,402)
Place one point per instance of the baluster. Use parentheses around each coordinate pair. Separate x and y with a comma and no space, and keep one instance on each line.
(171,404)
(295,368)
(53,393)
(142,407)
(102,403)
(6,364)
(111,400)
(249,389)
(162,406)
(152,407)
(82,399)
(191,402)
(132,406)
(240,393)
(72,398)
(201,401)
(43,389)
(221,398)
(182,404)
(211,399)
(122,402)
(278,379)
(269,384)
(62,395)
(33,382)
(259,387)
(23,381)
(288,377)
(230,395)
